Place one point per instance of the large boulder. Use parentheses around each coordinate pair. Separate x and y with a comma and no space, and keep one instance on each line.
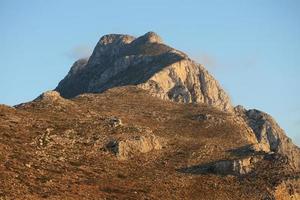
(238,166)
(126,148)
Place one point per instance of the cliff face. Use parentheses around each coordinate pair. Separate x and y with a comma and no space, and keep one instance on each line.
(120,60)
(269,135)
(186,81)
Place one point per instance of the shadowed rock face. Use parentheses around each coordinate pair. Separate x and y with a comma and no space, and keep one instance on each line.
(167,73)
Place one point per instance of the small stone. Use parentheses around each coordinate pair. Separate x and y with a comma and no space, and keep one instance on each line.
(28,165)
(115,122)
(202,117)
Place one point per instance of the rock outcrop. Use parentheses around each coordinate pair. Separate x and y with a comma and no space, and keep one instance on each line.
(50,96)
(127,148)
(269,134)
(167,73)
(237,167)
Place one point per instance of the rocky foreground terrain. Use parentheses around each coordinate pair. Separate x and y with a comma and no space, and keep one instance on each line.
(141,120)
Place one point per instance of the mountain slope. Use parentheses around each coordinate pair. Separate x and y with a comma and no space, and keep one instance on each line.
(56,148)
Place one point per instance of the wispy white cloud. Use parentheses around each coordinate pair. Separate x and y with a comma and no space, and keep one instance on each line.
(249,61)
(213,62)
(208,60)
(80,51)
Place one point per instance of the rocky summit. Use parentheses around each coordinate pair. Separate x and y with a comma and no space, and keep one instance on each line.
(141,120)
(148,63)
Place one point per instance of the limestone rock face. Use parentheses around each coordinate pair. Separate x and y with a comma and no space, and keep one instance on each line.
(186,81)
(167,73)
(269,134)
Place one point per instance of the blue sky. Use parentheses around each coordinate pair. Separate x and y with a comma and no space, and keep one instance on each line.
(252,47)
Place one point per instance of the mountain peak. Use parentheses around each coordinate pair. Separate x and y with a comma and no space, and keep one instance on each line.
(120,60)
(150,37)
(111,39)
